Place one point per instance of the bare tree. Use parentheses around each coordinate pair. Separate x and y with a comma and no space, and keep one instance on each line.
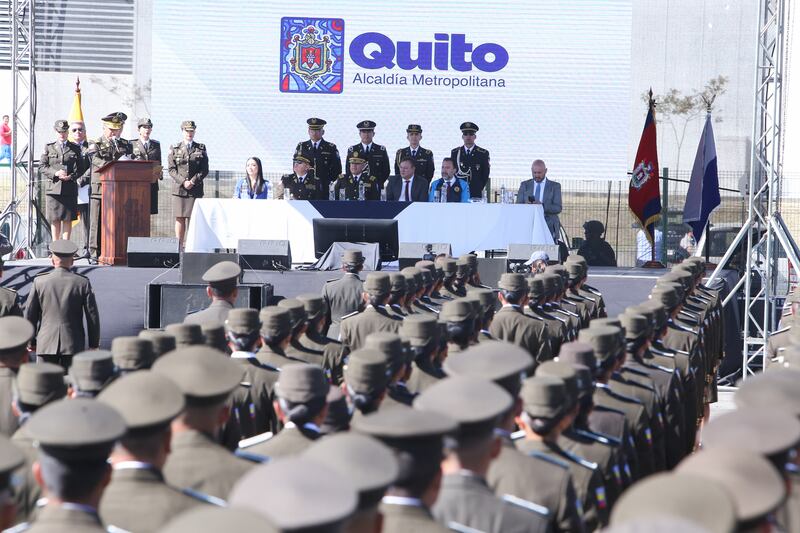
(677,109)
(128,95)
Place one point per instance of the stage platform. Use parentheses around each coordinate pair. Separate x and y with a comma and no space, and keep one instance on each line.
(120,291)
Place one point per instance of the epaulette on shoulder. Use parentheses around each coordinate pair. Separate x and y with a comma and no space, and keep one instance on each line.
(258,439)
(525,504)
(429,152)
(207,498)
(548,458)
(579,460)
(354,313)
(382,148)
(252,457)
(174,146)
(636,371)
(598,437)
(461,528)
(201,146)
(481,150)
(153,141)
(608,409)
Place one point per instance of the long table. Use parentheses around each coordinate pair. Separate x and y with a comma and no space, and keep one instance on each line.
(221,223)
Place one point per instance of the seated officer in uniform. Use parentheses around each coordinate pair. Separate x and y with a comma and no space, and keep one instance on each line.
(449,188)
(595,248)
(302,184)
(148,403)
(348,186)
(74,439)
(222,291)
(465,497)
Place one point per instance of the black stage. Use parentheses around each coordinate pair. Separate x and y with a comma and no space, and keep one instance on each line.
(120,291)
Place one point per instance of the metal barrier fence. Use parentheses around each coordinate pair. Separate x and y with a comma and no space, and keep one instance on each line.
(583,200)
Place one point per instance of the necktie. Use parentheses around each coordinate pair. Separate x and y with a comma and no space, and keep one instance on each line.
(467,150)
(537,191)
(64,146)
(316,146)
(146,146)
(188,146)
(366,150)
(408,192)
(413,153)
(446,189)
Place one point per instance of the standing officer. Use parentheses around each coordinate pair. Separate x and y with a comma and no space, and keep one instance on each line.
(148,403)
(188,167)
(222,290)
(74,439)
(375,155)
(374,317)
(465,496)
(472,161)
(62,165)
(56,305)
(324,155)
(422,157)
(207,378)
(15,334)
(77,134)
(104,150)
(343,296)
(147,149)
(303,184)
(358,173)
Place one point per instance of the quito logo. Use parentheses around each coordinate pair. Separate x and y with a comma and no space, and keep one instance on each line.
(312,52)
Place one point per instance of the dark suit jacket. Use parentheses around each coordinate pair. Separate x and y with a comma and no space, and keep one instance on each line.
(419,189)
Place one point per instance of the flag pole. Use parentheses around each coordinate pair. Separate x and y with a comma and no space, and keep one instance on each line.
(653,263)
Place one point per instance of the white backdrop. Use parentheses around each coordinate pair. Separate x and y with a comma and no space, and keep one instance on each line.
(565,97)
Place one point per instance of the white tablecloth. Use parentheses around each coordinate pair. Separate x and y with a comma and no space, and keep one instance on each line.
(221,223)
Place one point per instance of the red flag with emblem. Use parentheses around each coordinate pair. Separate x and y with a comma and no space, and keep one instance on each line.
(644,193)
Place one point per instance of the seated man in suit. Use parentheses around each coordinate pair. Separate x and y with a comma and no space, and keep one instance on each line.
(407,187)
(449,188)
(541,190)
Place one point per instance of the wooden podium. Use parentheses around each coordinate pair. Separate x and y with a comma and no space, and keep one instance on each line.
(125,207)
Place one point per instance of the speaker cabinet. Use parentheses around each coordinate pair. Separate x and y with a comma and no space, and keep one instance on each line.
(411,252)
(264,255)
(153,252)
(195,264)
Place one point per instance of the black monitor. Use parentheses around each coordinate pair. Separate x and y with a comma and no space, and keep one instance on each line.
(330,230)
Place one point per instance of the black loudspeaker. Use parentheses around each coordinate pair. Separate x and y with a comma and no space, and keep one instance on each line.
(195,264)
(169,303)
(490,270)
(153,252)
(411,252)
(265,255)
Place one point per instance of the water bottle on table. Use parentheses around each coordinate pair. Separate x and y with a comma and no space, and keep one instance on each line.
(503,198)
(361,191)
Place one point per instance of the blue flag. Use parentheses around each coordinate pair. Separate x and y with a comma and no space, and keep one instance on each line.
(703,196)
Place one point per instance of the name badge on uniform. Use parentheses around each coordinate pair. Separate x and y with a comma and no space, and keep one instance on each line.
(600,492)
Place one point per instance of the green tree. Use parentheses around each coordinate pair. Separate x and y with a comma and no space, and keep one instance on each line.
(677,110)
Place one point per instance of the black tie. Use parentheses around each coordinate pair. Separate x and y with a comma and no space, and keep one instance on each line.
(413,153)
(366,150)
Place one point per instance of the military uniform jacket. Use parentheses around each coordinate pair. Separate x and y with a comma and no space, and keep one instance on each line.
(8,420)
(9,303)
(604,455)
(343,296)
(59,519)
(104,151)
(187,164)
(151,153)
(423,158)
(377,161)
(556,327)
(291,440)
(408,518)
(67,158)
(423,376)
(475,166)
(638,423)
(354,329)
(349,184)
(465,498)
(778,341)
(511,325)
(274,358)
(333,354)
(310,356)
(197,462)
(586,477)
(545,482)
(261,385)
(325,160)
(28,492)
(311,188)
(56,306)
(216,313)
(612,422)
(138,499)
